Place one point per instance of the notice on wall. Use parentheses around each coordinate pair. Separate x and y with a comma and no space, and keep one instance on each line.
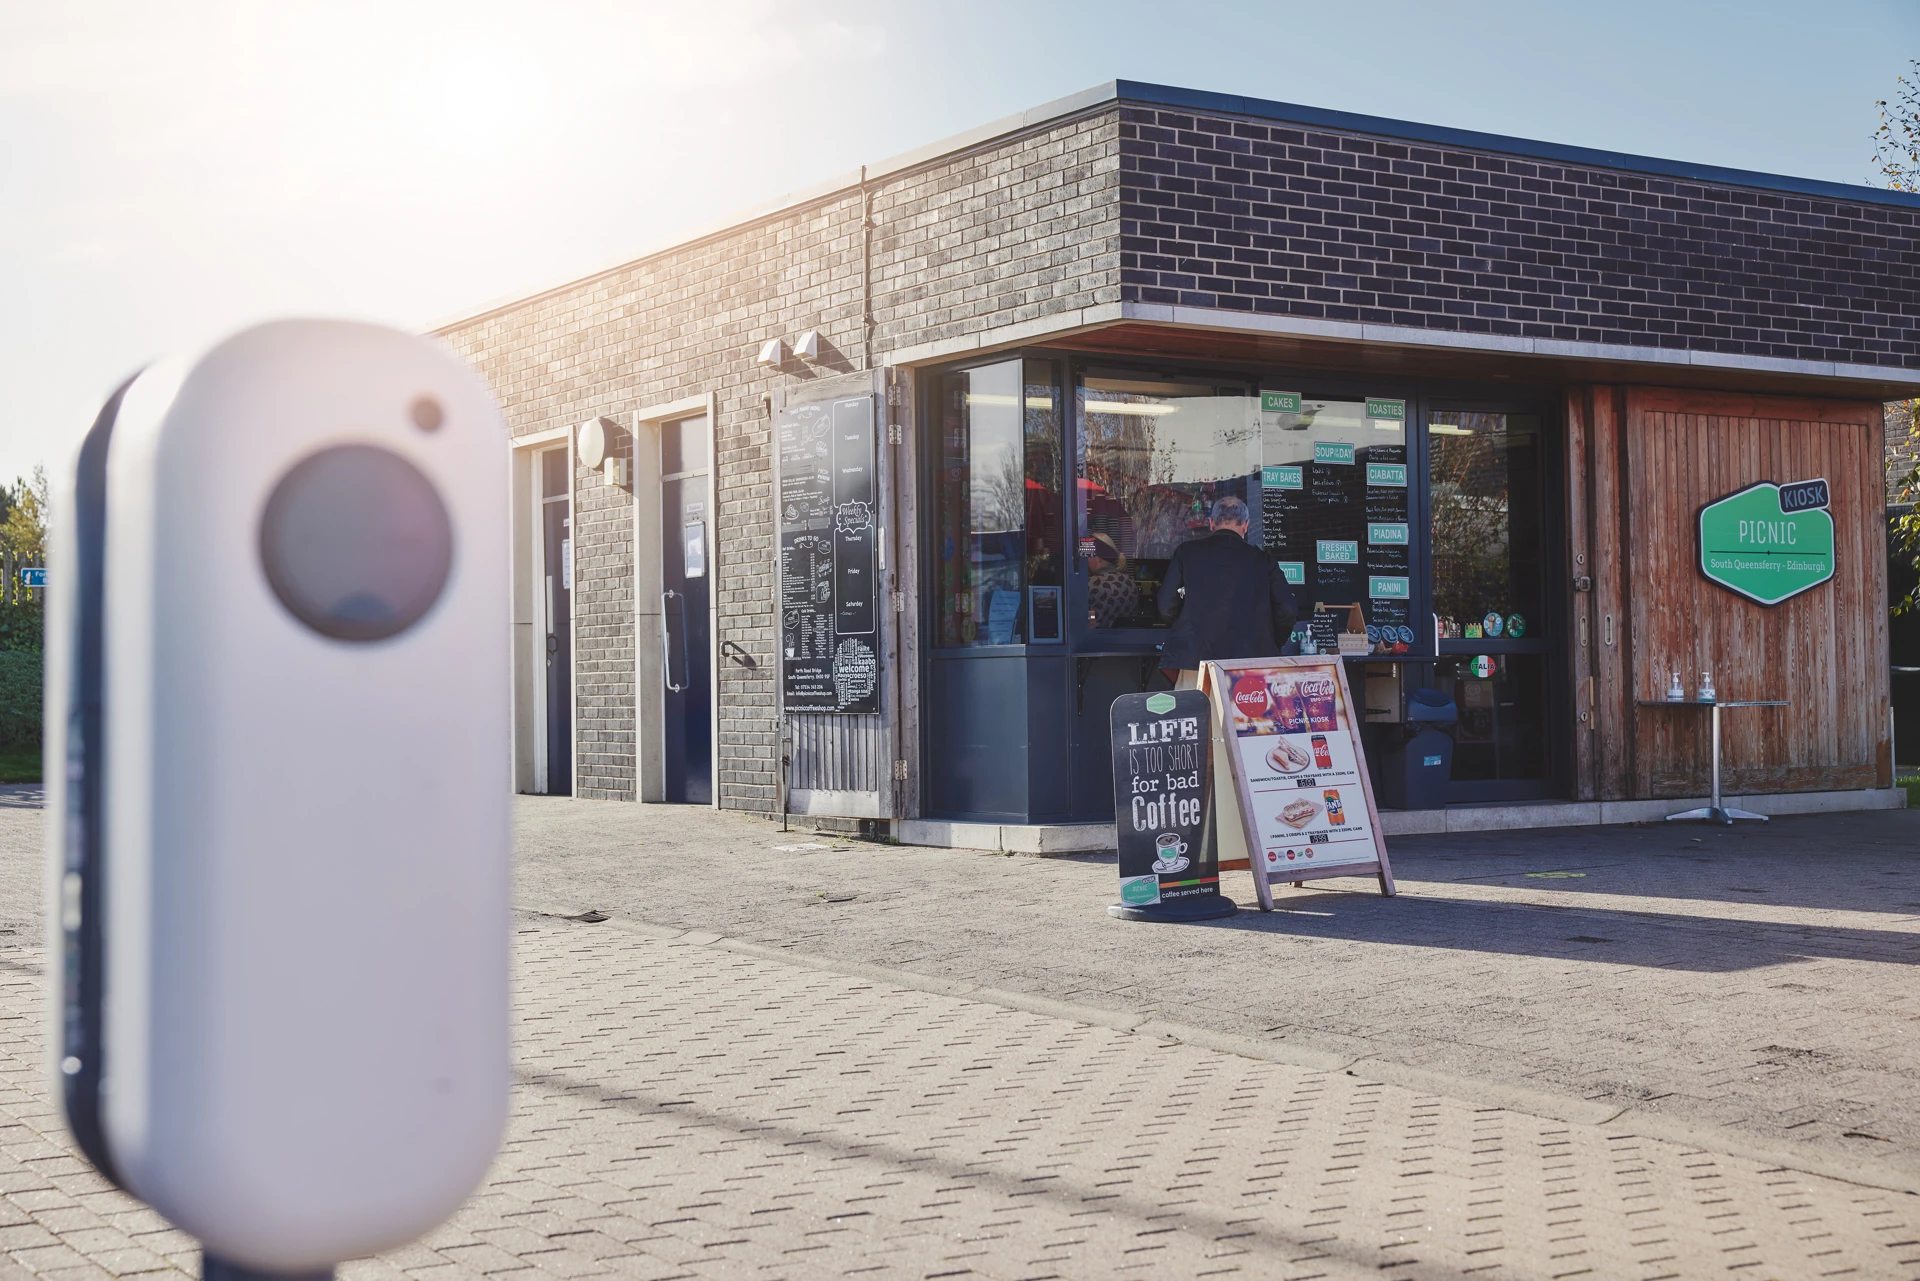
(1162,747)
(1300,777)
(829,580)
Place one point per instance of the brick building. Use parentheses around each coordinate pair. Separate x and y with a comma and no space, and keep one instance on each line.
(1050,341)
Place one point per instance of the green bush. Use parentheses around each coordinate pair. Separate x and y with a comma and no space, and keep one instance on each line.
(20,683)
(21,626)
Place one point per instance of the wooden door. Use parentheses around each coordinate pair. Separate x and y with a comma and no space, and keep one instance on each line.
(1825,649)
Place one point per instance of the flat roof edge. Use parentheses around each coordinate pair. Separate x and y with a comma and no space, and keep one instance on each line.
(1439,135)
(1059,109)
(1122,92)
(1060,327)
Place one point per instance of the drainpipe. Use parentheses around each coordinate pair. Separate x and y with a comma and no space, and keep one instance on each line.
(866,272)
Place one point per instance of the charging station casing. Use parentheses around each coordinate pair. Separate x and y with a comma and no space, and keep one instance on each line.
(280,858)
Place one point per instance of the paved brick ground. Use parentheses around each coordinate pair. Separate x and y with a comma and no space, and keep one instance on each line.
(692,1110)
(1757,980)
(701,1106)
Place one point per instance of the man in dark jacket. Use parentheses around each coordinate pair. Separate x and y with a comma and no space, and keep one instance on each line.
(1236,602)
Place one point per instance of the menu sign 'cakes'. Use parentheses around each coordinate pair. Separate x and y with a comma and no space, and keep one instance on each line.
(1299,774)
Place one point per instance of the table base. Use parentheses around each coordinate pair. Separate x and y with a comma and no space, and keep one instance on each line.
(1716,814)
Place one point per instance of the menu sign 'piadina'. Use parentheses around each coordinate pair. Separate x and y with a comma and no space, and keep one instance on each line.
(1161,757)
(829,584)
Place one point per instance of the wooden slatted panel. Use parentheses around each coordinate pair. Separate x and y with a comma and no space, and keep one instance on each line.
(1579,555)
(1825,649)
(1612,543)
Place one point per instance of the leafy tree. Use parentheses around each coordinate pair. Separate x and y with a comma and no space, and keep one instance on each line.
(23,515)
(23,532)
(1896,154)
(1896,143)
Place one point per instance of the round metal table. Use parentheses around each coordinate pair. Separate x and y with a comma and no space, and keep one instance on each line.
(1715,812)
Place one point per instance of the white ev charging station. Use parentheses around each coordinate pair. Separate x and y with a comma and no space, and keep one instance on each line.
(278,754)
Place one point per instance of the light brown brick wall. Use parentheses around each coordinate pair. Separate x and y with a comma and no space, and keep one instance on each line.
(1016,230)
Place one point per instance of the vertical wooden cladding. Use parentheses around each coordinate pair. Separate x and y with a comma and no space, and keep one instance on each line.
(1644,460)
(1598,651)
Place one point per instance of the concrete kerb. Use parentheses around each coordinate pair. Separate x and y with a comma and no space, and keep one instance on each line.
(1625,1121)
(1087,838)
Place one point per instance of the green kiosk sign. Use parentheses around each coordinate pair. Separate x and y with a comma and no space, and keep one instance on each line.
(1768,542)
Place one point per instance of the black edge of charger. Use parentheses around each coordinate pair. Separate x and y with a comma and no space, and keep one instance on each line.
(82,954)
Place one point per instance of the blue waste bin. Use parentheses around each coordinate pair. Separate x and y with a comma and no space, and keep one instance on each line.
(1413,775)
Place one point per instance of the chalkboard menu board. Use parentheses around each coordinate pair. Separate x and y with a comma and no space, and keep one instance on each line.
(1334,513)
(1162,745)
(829,580)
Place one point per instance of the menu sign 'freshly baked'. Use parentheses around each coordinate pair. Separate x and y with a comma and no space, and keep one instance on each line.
(1299,774)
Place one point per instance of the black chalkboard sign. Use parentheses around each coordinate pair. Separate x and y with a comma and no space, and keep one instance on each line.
(1162,791)
(1326,625)
(829,581)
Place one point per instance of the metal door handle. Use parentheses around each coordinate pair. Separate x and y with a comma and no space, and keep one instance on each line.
(666,642)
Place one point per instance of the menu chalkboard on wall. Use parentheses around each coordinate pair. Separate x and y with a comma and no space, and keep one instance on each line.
(829,521)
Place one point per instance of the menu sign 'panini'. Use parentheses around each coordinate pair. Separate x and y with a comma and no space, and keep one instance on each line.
(1299,774)
(828,565)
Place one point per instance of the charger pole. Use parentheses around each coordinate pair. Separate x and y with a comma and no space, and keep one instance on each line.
(214,1268)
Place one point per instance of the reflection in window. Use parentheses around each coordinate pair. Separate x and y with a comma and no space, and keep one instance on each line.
(1153,457)
(1503,716)
(1486,485)
(997,499)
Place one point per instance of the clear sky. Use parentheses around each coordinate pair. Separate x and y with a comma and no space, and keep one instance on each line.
(171,171)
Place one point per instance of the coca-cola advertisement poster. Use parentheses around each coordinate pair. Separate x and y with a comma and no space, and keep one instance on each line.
(1299,771)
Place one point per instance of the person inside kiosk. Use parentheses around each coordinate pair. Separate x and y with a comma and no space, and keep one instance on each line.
(1227,599)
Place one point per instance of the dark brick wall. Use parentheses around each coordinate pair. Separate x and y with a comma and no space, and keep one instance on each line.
(1230,213)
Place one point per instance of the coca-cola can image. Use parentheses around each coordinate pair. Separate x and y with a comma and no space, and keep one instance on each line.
(1317,694)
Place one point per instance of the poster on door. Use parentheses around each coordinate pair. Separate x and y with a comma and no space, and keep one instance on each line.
(829,588)
(1300,777)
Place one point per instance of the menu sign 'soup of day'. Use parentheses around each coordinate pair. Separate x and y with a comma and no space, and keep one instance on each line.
(829,580)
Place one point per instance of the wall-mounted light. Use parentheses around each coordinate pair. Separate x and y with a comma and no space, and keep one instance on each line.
(595,444)
(807,345)
(773,352)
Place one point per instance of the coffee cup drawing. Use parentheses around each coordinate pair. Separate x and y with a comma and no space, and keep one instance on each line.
(1169,852)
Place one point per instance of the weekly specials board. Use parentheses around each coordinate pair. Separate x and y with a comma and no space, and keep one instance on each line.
(1293,745)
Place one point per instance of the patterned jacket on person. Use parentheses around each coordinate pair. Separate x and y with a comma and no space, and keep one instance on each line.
(1112,597)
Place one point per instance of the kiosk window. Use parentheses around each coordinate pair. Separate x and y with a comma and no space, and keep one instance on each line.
(1152,458)
(1488,523)
(997,500)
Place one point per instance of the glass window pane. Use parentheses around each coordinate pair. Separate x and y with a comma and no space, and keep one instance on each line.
(1503,717)
(1046,476)
(1488,523)
(981,504)
(683,446)
(1333,512)
(1153,457)
(553,473)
